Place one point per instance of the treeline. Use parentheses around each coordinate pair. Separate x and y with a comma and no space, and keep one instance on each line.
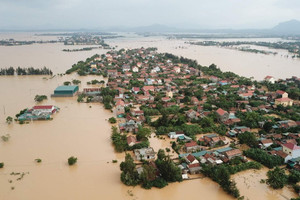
(25,71)
(82,67)
(292,47)
(13,42)
(82,49)
(264,158)
(7,71)
(277,178)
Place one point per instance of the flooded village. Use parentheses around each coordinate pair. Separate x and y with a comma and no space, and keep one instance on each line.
(139,117)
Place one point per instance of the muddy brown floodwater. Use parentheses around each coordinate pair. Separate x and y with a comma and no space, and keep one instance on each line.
(77,130)
(82,131)
(248,182)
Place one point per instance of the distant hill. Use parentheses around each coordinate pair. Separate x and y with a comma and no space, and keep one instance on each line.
(288,27)
(155,28)
(291,27)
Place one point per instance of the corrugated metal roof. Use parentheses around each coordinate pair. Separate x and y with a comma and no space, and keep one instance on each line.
(66,88)
(224,149)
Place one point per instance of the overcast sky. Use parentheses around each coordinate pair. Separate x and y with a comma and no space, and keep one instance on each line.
(178,13)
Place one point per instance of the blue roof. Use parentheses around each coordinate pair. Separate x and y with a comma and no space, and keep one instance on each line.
(224,149)
(295,159)
(240,127)
(197,154)
(231,133)
(181,137)
(66,88)
(278,149)
(232,116)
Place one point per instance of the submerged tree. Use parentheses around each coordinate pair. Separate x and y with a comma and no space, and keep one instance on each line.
(277,178)
(40,98)
(72,160)
(9,119)
(129,175)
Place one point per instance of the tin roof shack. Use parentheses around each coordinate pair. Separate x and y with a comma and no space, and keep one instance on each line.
(38,113)
(144,153)
(65,91)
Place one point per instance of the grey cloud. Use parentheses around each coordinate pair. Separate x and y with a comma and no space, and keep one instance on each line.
(100,13)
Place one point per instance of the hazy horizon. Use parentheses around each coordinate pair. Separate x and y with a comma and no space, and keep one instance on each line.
(93,14)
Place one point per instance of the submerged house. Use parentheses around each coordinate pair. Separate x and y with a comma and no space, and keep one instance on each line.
(144,153)
(92,91)
(65,91)
(38,113)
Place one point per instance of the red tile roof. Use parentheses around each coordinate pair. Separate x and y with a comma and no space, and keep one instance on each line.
(266,141)
(233,152)
(191,144)
(131,139)
(120,103)
(269,77)
(194,165)
(190,158)
(280,92)
(281,154)
(284,99)
(221,112)
(291,146)
(42,107)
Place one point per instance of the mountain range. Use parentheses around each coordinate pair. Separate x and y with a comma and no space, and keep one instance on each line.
(291,27)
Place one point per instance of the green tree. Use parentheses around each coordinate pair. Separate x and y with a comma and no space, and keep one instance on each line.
(80,98)
(129,175)
(169,171)
(294,177)
(263,157)
(112,120)
(143,133)
(277,178)
(40,98)
(72,160)
(268,126)
(76,82)
(67,83)
(248,138)
(9,119)
(118,140)
(147,176)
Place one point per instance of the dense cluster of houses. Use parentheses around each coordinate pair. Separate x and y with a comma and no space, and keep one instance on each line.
(143,77)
